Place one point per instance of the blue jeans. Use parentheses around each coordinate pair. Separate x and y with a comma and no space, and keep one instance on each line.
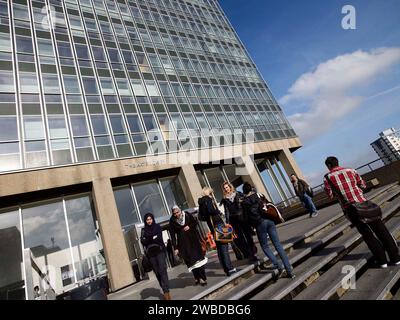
(308,203)
(265,228)
(223,256)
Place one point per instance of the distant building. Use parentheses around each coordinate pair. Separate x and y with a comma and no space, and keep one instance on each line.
(388,145)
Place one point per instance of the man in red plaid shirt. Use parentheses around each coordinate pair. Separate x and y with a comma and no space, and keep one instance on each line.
(377,237)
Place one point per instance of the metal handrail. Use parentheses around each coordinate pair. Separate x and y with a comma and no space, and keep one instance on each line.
(295,198)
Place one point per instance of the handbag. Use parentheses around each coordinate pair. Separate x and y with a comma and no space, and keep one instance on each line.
(224,233)
(366,211)
(269,211)
(146,265)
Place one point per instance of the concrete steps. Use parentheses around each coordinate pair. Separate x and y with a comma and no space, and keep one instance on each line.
(374,284)
(313,237)
(308,271)
(329,284)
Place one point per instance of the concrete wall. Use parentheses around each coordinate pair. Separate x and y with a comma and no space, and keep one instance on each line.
(386,175)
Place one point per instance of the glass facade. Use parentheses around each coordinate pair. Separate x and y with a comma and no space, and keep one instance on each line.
(92,80)
(135,200)
(54,245)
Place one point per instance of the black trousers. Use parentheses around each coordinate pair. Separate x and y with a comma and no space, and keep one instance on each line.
(378,239)
(200,273)
(159,266)
(244,240)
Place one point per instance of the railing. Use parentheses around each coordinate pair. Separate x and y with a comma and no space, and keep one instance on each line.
(366,168)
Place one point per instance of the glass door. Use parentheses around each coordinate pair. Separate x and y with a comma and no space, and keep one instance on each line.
(11,262)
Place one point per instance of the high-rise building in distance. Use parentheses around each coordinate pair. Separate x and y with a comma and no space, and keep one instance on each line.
(113,108)
(388,146)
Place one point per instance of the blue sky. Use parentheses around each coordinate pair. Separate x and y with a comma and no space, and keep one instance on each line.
(339,88)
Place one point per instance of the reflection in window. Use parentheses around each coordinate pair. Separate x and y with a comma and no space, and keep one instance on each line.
(148,196)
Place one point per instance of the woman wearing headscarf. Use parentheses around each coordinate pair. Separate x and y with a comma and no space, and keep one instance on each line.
(209,210)
(235,215)
(153,243)
(186,242)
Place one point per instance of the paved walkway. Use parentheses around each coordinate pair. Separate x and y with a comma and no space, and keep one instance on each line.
(182,282)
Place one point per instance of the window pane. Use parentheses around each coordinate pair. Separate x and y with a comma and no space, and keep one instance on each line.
(79,126)
(45,234)
(126,209)
(174,193)
(99,124)
(90,86)
(6,81)
(149,199)
(9,130)
(57,127)
(134,123)
(86,245)
(33,128)
(11,263)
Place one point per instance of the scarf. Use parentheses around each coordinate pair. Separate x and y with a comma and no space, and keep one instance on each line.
(231,196)
(153,229)
(181,220)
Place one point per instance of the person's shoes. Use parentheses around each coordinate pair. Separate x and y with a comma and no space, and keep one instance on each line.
(383,266)
(314,214)
(196,282)
(397,263)
(203,282)
(167,296)
(230,272)
(291,275)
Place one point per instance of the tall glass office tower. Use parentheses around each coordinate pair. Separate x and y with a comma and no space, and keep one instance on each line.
(90,90)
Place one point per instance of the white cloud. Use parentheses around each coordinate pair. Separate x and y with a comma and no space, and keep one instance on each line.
(327,89)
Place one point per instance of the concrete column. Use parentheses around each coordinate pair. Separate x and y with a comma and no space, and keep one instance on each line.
(118,265)
(249,173)
(289,163)
(190,184)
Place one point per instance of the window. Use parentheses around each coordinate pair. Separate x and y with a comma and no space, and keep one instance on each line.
(50,83)
(117,124)
(138,88)
(79,126)
(5,42)
(9,129)
(57,127)
(149,122)
(64,50)
(82,51)
(90,85)
(99,124)
(45,47)
(28,83)
(33,127)
(71,84)
(107,86)
(134,123)
(24,45)
(152,88)
(123,87)
(6,81)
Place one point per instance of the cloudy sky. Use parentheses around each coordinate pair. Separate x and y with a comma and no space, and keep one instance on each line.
(339,88)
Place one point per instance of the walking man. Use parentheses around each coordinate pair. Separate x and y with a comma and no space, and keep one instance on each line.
(349,185)
(303,191)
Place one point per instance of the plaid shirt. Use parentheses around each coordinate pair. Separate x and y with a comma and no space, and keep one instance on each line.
(348,182)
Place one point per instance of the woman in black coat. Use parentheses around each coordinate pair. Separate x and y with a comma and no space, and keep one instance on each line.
(153,243)
(186,241)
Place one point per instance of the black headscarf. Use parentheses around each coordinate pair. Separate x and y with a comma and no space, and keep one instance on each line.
(153,229)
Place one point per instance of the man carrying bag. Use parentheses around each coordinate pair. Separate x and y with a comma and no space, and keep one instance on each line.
(364,214)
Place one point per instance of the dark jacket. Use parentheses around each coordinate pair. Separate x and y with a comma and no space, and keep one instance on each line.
(302,188)
(210,211)
(187,242)
(234,209)
(251,207)
(153,243)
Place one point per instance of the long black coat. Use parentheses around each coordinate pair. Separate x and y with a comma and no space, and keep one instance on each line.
(187,242)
